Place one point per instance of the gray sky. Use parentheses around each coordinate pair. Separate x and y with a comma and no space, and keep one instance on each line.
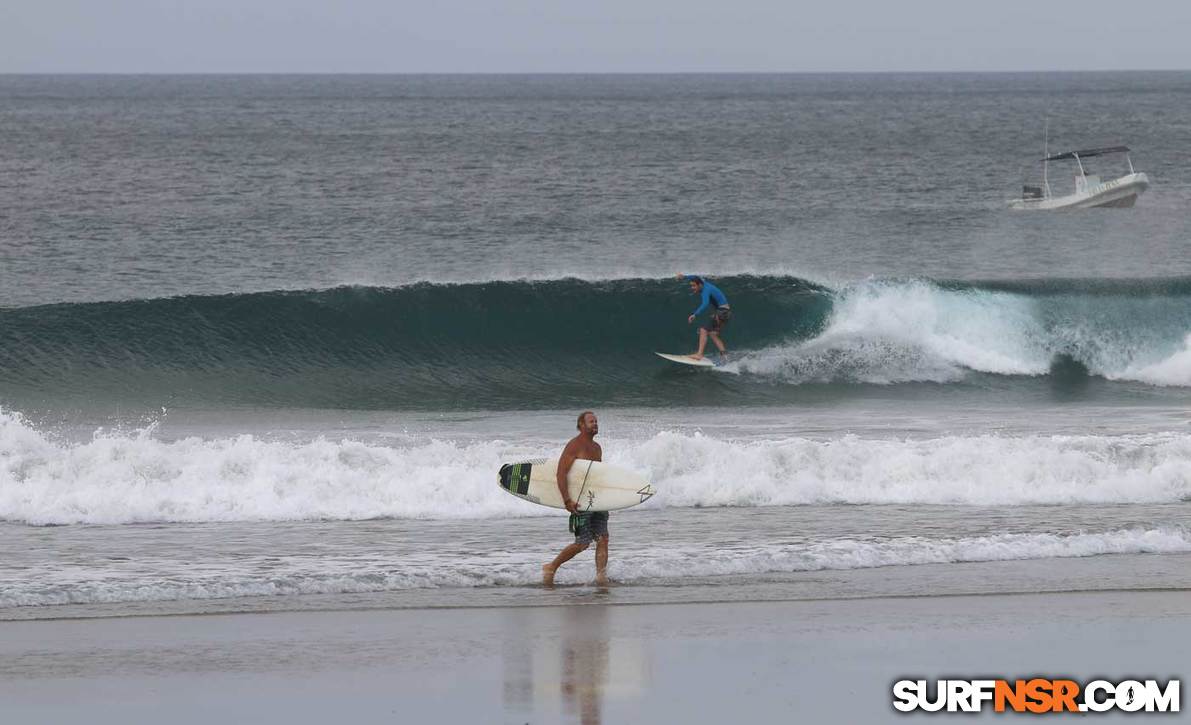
(182,36)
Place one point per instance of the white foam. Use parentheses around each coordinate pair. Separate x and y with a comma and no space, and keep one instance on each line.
(987,470)
(1171,371)
(889,332)
(307,575)
(883,332)
(129,479)
(122,478)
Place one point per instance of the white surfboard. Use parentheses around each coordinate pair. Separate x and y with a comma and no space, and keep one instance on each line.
(594,486)
(687,360)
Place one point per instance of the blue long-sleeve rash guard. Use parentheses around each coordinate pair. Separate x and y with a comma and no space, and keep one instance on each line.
(711,294)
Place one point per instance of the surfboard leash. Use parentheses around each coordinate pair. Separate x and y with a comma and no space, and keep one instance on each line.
(583,486)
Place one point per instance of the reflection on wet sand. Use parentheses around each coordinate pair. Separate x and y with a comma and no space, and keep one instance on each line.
(569,671)
(585,664)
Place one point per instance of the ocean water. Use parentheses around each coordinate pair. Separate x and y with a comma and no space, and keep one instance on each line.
(270,337)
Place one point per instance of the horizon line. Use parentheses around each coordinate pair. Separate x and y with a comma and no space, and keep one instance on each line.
(592,72)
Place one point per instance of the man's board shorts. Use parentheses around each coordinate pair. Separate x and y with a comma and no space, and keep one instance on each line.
(719,318)
(589,526)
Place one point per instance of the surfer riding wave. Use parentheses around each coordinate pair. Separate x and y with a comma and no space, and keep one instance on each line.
(721,313)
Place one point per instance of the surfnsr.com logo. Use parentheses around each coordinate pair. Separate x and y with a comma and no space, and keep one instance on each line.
(1036,695)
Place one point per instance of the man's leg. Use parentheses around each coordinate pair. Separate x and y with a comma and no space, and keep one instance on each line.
(702,343)
(715,337)
(602,560)
(563,557)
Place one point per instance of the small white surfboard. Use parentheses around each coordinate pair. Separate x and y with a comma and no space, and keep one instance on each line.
(687,360)
(594,486)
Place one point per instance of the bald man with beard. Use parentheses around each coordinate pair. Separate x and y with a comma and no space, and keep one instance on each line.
(588,526)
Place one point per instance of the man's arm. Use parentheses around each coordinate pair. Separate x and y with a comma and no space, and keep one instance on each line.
(565,461)
(706,299)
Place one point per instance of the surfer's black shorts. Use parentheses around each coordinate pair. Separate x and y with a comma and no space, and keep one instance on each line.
(589,526)
(718,319)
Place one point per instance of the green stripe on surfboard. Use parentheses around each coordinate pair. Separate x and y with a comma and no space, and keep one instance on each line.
(514,477)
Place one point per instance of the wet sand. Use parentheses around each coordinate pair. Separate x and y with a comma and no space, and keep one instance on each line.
(591,662)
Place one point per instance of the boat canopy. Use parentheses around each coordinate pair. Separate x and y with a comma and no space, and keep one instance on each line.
(1087,153)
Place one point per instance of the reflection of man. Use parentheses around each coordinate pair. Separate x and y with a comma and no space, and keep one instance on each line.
(565,662)
(585,662)
(721,312)
(587,526)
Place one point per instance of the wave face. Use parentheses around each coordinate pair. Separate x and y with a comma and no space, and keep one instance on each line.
(117,479)
(562,343)
(494,345)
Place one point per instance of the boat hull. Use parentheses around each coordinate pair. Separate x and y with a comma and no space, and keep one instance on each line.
(1116,194)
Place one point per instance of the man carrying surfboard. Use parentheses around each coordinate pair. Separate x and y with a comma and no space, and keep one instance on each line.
(587,526)
(721,313)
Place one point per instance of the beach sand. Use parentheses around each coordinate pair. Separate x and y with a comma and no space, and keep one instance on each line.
(593,661)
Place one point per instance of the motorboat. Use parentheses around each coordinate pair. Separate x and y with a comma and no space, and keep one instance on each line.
(1090,189)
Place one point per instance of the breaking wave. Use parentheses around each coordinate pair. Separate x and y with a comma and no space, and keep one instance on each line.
(561,343)
(121,478)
